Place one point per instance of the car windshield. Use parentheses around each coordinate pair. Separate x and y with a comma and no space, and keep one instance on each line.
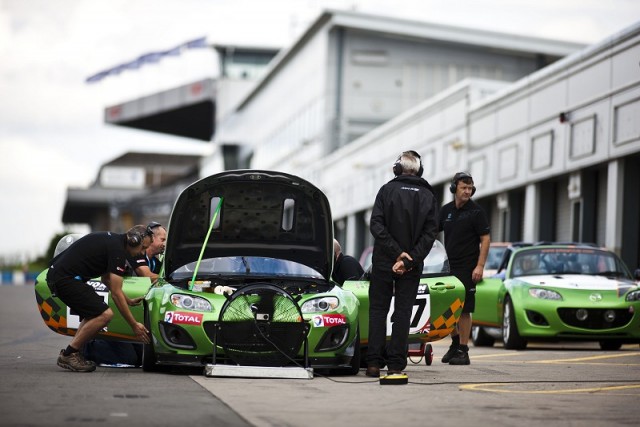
(249,266)
(572,260)
(494,258)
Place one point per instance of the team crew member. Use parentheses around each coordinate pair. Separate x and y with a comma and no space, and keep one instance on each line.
(99,254)
(466,239)
(148,264)
(404,224)
(345,267)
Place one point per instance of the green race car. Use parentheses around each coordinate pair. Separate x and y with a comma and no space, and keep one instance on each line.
(246,282)
(557,292)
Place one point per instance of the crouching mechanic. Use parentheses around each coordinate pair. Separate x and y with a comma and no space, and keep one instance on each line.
(146,264)
(98,254)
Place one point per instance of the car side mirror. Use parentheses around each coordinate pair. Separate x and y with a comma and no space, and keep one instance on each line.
(637,273)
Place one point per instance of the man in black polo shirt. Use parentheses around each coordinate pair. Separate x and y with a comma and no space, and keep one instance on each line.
(99,254)
(144,264)
(466,239)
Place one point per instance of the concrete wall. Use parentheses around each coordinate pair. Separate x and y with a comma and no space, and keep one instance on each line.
(516,146)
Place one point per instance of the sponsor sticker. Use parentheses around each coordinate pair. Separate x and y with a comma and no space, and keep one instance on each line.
(328,320)
(98,286)
(179,317)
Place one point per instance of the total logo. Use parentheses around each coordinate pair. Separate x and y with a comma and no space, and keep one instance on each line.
(328,320)
(178,317)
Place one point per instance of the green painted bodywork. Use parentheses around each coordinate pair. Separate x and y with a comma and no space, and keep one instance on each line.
(592,292)
(445,295)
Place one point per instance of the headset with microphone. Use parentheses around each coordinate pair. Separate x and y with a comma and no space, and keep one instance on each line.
(397,166)
(458,177)
(138,233)
(134,238)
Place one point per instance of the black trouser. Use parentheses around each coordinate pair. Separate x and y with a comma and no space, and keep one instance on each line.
(381,292)
(465,275)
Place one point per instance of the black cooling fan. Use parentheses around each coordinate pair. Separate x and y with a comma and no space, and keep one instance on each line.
(261,325)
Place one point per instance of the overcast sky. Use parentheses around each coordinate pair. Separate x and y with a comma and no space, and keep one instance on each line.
(52,134)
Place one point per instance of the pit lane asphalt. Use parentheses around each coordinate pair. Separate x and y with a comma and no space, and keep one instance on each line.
(551,384)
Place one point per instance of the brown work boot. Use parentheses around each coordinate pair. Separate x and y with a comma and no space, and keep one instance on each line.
(373,371)
(75,362)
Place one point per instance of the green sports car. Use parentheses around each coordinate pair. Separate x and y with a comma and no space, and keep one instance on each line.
(558,292)
(246,282)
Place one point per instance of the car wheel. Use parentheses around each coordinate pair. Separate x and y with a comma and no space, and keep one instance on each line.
(610,345)
(480,338)
(148,352)
(510,335)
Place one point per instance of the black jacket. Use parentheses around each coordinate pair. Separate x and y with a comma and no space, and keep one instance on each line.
(346,268)
(404,219)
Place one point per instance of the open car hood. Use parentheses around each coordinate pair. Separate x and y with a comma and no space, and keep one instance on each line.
(263,213)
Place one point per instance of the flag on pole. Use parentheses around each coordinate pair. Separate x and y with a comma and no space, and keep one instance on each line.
(197,43)
(148,58)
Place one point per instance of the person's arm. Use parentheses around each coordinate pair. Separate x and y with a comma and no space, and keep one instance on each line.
(485,240)
(379,230)
(114,282)
(145,271)
(402,264)
(428,235)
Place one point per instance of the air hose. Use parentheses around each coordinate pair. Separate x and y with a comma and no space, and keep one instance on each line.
(204,245)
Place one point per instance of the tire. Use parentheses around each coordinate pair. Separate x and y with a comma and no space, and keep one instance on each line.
(428,354)
(148,352)
(480,338)
(510,335)
(610,345)
(356,359)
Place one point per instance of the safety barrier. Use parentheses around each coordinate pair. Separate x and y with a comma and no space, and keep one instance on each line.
(17,277)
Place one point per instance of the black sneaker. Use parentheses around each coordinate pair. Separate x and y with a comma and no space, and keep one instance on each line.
(460,357)
(449,354)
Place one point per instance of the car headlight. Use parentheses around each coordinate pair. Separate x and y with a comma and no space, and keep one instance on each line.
(189,302)
(545,294)
(318,305)
(633,296)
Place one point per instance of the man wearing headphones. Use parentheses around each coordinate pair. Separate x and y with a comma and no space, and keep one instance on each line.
(404,224)
(466,239)
(148,264)
(98,254)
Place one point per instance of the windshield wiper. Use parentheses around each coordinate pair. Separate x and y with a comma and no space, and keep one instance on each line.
(609,273)
(247,267)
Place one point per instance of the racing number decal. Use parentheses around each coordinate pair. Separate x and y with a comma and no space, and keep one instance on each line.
(418,311)
(419,315)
